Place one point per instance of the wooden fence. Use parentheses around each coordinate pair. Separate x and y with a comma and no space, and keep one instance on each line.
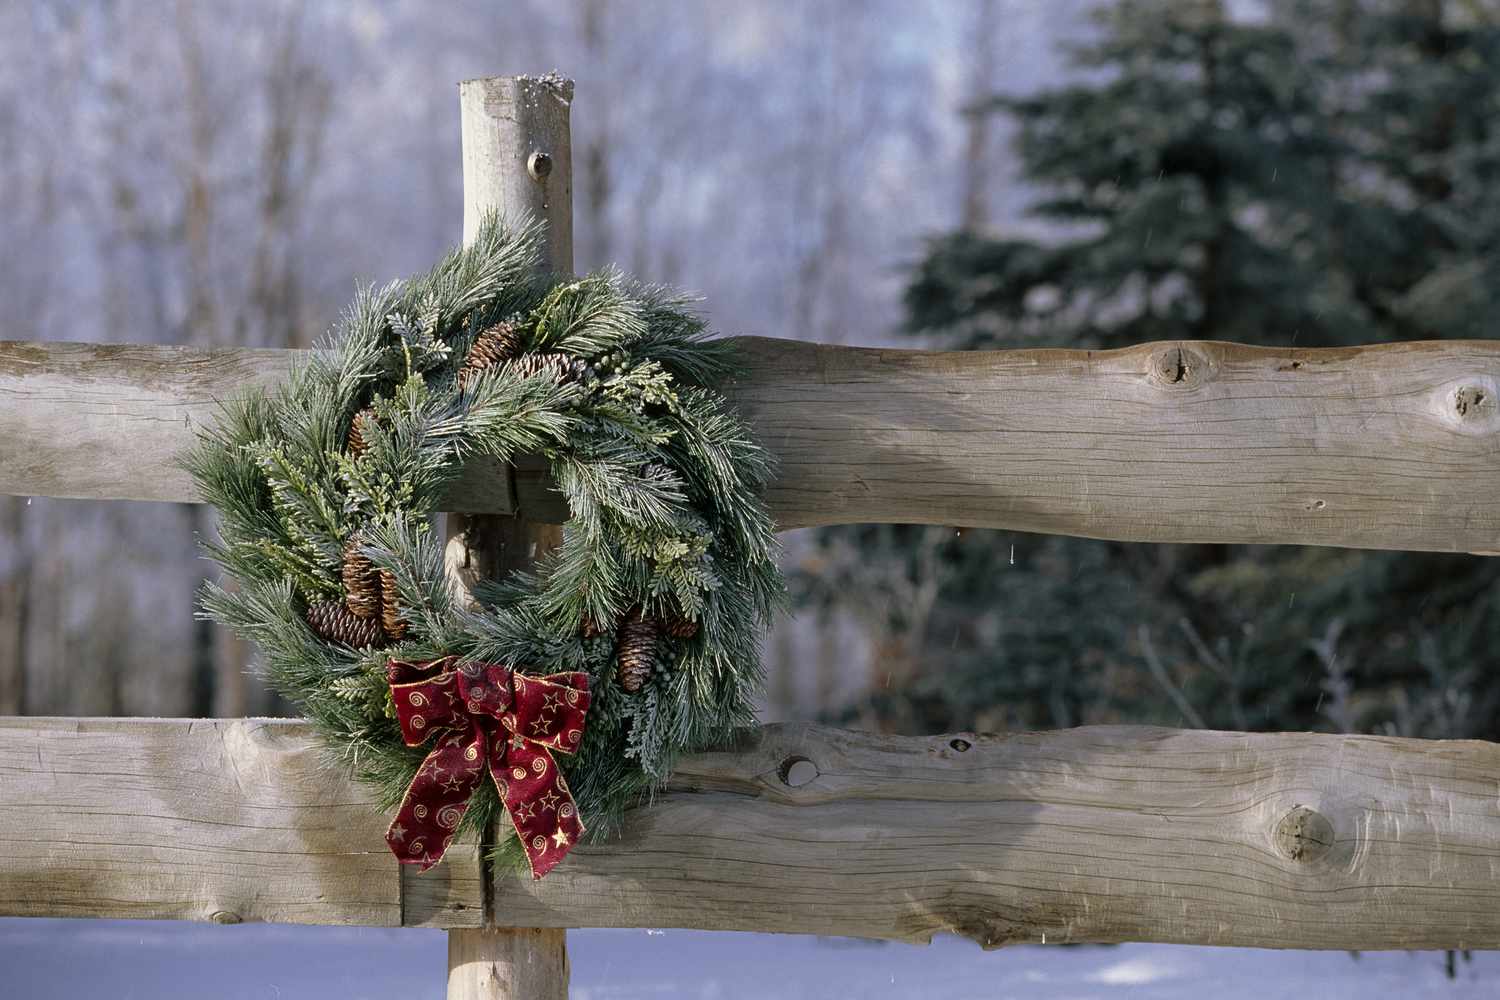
(1385,447)
(1093,834)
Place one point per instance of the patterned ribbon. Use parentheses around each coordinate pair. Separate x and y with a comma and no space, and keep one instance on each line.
(487,717)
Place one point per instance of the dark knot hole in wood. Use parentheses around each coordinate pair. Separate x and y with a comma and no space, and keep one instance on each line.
(1177,367)
(1304,835)
(1470,402)
(960,744)
(539,165)
(795,772)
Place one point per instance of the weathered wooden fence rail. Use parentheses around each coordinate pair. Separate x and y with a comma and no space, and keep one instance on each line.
(1391,447)
(1093,834)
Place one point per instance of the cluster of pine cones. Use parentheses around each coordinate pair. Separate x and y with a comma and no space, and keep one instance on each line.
(640,653)
(501,343)
(369,614)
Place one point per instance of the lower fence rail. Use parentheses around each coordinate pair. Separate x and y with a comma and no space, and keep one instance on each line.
(1097,834)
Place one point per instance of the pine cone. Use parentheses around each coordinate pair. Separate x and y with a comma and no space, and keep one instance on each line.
(635,651)
(494,345)
(335,623)
(679,626)
(361,582)
(358,429)
(558,365)
(390,610)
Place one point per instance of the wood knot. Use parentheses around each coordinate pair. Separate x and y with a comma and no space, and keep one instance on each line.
(225,917)
(960,744)
(1304,835)
(988,930)
(1471,401)
(795,772)
(539,165)
(1176,366)
(1470,405)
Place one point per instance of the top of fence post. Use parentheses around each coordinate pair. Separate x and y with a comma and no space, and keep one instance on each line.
(518,157)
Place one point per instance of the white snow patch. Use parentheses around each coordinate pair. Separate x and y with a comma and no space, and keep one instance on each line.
(1134,972)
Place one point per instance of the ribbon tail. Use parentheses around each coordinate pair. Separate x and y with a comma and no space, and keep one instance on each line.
(538,801)
(437,799)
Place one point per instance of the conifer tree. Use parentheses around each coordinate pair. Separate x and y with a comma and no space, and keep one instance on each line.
(1323,177)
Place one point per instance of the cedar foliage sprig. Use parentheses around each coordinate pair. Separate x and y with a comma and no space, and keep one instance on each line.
(662,479)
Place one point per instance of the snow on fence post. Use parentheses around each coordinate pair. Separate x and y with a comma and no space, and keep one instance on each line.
(517,159)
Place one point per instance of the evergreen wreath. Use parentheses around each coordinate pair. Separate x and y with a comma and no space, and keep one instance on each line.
(326,488)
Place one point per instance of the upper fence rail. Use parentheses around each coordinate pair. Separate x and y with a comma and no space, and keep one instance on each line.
(1388,447)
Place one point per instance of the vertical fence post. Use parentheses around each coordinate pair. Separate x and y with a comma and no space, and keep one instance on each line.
(517,159)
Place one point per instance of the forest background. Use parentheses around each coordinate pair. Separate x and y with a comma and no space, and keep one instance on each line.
(981,175)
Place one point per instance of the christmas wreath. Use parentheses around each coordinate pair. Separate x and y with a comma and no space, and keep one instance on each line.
(636,640)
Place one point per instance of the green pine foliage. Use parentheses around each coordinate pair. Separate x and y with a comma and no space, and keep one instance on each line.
(662,480)
(1322,177)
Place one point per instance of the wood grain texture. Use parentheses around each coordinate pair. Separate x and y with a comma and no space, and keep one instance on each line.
(1394,446)
(107,421)
(504,120)
(1095,834)
(218,820)
(526,963)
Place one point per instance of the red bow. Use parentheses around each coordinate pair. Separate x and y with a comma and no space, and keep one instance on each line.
(490,718)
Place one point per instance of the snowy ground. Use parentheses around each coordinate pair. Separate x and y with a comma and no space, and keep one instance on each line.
(140,960)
